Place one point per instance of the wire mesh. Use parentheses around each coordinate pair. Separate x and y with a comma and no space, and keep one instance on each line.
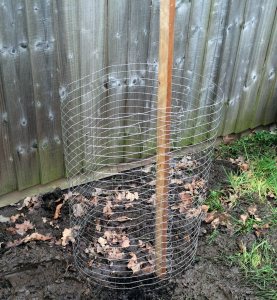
(110,138)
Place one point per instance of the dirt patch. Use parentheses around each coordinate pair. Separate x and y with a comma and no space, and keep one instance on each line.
(45,269)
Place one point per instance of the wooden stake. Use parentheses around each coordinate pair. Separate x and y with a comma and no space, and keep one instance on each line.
(167,14)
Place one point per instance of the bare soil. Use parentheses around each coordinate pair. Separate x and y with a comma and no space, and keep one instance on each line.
(43,270)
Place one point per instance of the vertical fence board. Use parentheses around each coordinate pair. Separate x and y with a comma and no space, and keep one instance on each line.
(194,57)
(231,39)
(117,47)
(150,137)
(18,91)
(7,173)
(247,42)
(138,38)
(265,106)
(255,67)
(67,34)
(44,69)
(93,18)
(181,28)
(206,117)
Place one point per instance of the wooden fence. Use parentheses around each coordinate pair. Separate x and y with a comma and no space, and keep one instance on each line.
(46,44)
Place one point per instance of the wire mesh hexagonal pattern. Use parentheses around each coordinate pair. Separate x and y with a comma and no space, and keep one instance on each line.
(110,139)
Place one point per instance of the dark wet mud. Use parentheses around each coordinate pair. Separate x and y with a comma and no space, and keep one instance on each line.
(44,270)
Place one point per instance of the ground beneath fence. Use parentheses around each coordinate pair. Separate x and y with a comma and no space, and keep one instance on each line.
(32,266)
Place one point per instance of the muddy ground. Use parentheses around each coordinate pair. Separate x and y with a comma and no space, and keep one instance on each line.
(44,270)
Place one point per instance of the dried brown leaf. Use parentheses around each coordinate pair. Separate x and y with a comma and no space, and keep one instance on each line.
(133,263)
(102,241)
(125,243)
(79,209)
(15,217)
(68,236)
(148,270)
(58,211)
(115,253)
(205,208)
(187,199)
(227,139)
(244,167)
(12,230)
(98,227)
(243,218)
(26,202)
(176,181)
(107,210)
(271,195)
(22,228)
(31,237)
(93,201)
(127,205)
(187,238)
(132,196)
(252,209)
(90,262)
(193,212)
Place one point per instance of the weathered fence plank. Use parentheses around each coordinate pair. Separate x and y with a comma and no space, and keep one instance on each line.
(150,136)
(194,58)
(207,115)
(117,47)
(46,90)
(249,27)
(255,66)
(18,91)
(67,35)
(93,52)
(232,32)
(7,172)
(138,39)
(266,103)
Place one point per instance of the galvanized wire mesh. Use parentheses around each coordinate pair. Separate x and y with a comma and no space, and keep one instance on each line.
(110,138)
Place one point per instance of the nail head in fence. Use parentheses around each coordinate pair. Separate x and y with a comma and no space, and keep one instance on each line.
(166,43)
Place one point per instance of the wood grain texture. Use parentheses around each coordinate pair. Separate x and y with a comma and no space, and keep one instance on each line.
(7,173)
(206,117)
(150,137)
(67,35)
(256,65)
(43,57)
(166,44)
(93,55)
(232,32)
(117,47)
(138,39)
(194,58)
(249,28)
(18,92)
(265,111)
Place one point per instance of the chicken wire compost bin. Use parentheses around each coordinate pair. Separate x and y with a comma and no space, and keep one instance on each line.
(110,136)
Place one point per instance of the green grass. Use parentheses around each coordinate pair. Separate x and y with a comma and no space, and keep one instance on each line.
(259,267)
(213,200)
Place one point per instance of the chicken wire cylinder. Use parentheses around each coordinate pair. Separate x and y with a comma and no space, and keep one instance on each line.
(109,123)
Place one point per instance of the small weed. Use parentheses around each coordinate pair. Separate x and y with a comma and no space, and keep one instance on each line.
(212,236)
(213,200)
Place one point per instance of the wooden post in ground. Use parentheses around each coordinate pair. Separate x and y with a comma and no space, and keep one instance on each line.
(167,14)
